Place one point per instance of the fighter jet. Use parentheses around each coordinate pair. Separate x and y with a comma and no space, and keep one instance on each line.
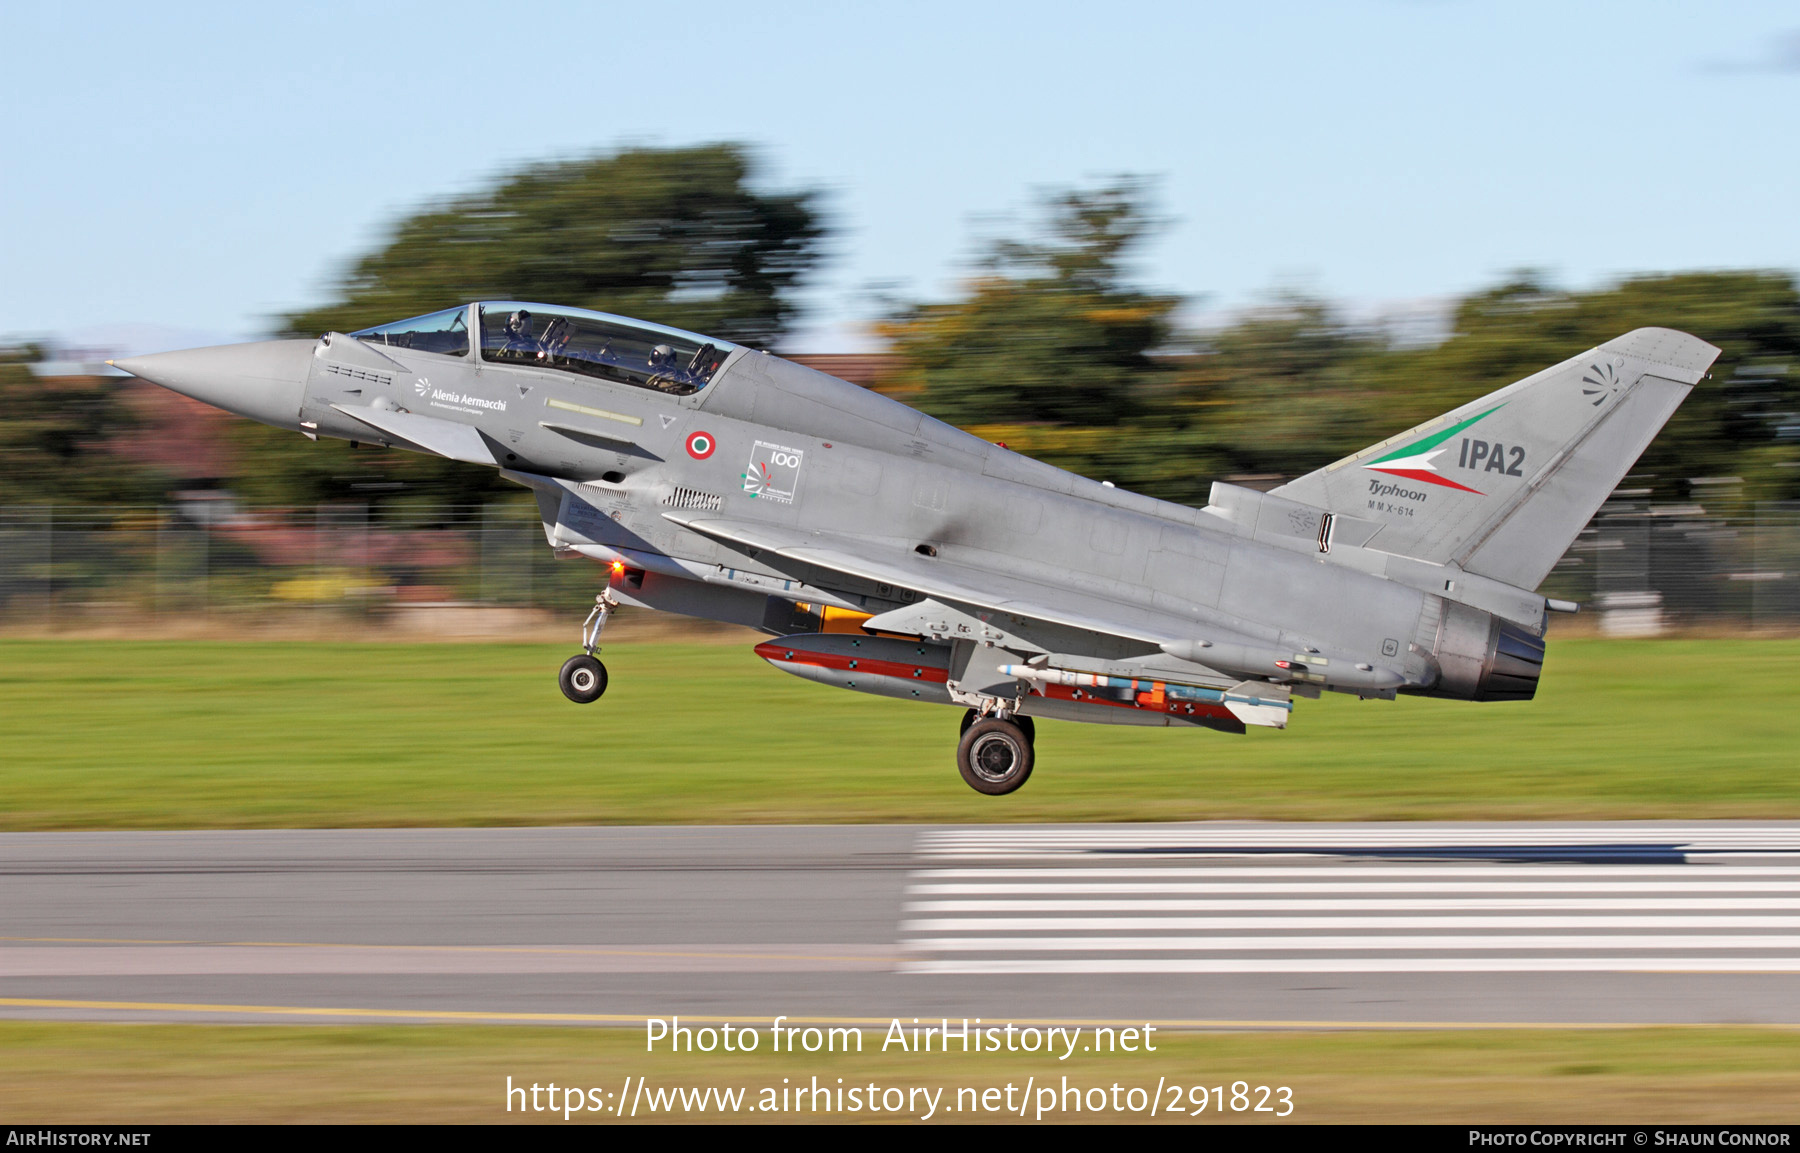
(887,552)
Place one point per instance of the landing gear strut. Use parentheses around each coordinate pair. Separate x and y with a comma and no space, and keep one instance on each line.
(583,677)
(995,756)
(1020,719)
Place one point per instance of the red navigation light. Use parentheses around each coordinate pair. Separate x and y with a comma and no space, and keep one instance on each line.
(618,567)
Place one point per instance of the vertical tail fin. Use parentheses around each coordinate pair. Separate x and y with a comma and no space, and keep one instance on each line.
(1502,485)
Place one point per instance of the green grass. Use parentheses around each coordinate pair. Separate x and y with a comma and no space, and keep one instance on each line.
(120,1074)
(208,734)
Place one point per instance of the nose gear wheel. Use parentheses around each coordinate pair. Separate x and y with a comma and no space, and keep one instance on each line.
(583,679)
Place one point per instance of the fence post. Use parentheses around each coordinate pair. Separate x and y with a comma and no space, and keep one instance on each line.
(1774,582)
(25,555)
(159,574)
(1629,607)
(505,559)
(50,563)
(205,568)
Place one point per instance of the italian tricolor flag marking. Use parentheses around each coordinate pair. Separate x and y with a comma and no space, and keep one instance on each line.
(1414,461)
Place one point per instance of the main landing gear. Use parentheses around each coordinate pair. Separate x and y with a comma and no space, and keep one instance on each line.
(995,755)
(583,677)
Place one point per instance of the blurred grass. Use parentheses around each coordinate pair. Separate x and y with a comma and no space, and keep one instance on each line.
(90,1074)
(203,734)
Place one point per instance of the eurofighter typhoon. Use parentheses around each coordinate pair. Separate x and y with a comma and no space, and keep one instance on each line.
(887,552)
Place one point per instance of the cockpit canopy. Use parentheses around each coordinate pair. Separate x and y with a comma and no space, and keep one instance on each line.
(445,332)
(574,340)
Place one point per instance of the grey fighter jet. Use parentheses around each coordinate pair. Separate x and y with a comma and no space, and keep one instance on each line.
(887,552)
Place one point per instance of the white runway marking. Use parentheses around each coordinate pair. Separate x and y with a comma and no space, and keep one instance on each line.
(1086,841)
(1566,941)
(1525,880)
(1704,964)
(1597,904)
(1510,921)
(1356,899)
(1420,869)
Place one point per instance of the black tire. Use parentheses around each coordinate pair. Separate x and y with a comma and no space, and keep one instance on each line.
(1020,719)
(583,679)
(995,757)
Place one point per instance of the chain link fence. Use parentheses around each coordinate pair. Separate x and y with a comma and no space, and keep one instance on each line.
(1645,569)
(1639,569)
(62,564)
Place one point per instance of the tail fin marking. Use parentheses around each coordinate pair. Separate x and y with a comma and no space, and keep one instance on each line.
(1501,485)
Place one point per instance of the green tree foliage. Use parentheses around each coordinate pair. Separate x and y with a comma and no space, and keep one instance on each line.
(1049,351)
(1286,388)
(677,236)
(1291,389)
(1050,330)
(53,440)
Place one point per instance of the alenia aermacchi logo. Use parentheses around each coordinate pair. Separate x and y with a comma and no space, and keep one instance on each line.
(1415,461)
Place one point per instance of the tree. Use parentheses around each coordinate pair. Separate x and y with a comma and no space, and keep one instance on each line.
(1286,388)
(1049,330)
(54,437)
(676,236)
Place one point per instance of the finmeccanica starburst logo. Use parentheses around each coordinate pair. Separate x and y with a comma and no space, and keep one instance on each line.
(1415,461)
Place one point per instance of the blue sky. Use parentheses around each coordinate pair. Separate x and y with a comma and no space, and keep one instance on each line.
(192,169)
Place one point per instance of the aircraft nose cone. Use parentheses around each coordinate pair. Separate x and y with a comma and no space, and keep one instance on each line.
(264,381)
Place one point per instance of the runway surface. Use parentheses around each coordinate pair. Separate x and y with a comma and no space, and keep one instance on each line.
(1250,925)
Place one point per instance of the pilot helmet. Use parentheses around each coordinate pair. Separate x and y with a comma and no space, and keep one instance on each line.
(519,322)
(662,355)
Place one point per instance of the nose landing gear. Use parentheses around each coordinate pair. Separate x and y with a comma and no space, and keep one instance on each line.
(995,756)
(583,677)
